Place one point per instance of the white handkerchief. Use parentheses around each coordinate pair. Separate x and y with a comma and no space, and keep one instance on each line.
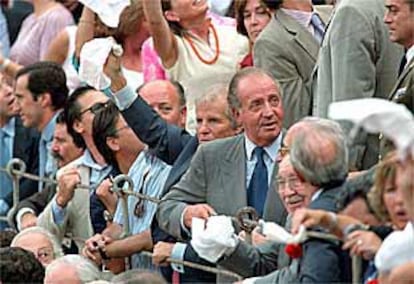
(393,120)
(278,234)
(109,11)
(213,241)
(92,60)
(397,249)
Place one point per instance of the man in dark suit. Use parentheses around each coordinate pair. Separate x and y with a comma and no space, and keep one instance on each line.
(16,142)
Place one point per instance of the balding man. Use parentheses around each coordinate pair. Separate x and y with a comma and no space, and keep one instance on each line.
(167,99)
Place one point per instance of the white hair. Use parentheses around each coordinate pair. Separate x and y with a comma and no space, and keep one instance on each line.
(57,248)
(85,269)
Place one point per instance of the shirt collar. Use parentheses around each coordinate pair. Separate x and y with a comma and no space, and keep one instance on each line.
(302,17)
(271,150)
(88,161)
(47,132)
(316,195)
(9,128)
(409,55)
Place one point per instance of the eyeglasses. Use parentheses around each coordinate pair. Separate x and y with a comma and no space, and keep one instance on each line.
(120,129)
(44,254)
(140,205)
(95,108)
(292,182)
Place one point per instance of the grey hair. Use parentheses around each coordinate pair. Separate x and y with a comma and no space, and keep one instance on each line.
(85,269)
(319,152)
(233,98)
(213,93)
(138,276)
(57,248)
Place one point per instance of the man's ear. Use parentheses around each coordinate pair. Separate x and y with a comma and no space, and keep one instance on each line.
(237,116)
(112,143)
(171,16)
(45,100)
(78,126)
(183,112)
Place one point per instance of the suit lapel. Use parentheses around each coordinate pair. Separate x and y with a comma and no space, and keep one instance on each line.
(401,78)
(234,172)
(21,143)
(303,37)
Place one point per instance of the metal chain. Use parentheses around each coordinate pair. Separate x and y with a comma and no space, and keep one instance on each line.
(39,178)
(198,266)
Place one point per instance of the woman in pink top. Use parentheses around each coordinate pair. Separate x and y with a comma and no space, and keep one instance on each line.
(38,30)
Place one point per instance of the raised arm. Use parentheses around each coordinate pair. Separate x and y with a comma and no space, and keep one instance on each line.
(85,30)
(164,40)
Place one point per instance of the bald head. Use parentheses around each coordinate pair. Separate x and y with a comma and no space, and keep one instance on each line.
(167,99)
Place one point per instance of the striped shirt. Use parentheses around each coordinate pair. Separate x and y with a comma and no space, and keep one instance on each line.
(149,175)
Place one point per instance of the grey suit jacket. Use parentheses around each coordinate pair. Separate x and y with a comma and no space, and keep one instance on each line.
(289,51)
(77,223)
(402,93)
(217,176)
(356,60)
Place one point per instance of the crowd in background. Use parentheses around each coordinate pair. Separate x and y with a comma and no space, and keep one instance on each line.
(154,124)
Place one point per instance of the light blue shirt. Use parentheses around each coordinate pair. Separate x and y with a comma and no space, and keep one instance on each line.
(124,98)
(47,164)
(149,175)
(9,129)
(269,159)
(4,36)
(97,174)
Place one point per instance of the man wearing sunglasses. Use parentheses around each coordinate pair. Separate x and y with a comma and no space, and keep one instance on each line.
(68,213)
(122,148)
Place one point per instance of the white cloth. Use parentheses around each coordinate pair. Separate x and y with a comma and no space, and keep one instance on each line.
(109,11)
(92,60)
(278,234)
(213,241)
(397,249)
(393,120)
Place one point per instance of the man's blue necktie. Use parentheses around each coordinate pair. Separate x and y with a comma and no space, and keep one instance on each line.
(5,181)
(42,160)
(257,190)
(318,26)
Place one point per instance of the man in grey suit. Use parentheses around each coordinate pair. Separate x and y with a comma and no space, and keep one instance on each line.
(288,48)
(222,172)
(310,176)
(400,20)
(356,60)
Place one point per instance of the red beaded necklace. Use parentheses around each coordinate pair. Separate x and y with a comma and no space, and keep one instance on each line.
(197,53)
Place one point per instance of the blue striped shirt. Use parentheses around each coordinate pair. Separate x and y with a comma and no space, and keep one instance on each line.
(149,175)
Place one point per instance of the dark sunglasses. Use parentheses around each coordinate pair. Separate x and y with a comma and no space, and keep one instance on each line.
(96,108)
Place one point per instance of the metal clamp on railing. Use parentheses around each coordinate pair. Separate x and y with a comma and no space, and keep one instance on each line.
(15,169)
(121,185)
(248,220)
